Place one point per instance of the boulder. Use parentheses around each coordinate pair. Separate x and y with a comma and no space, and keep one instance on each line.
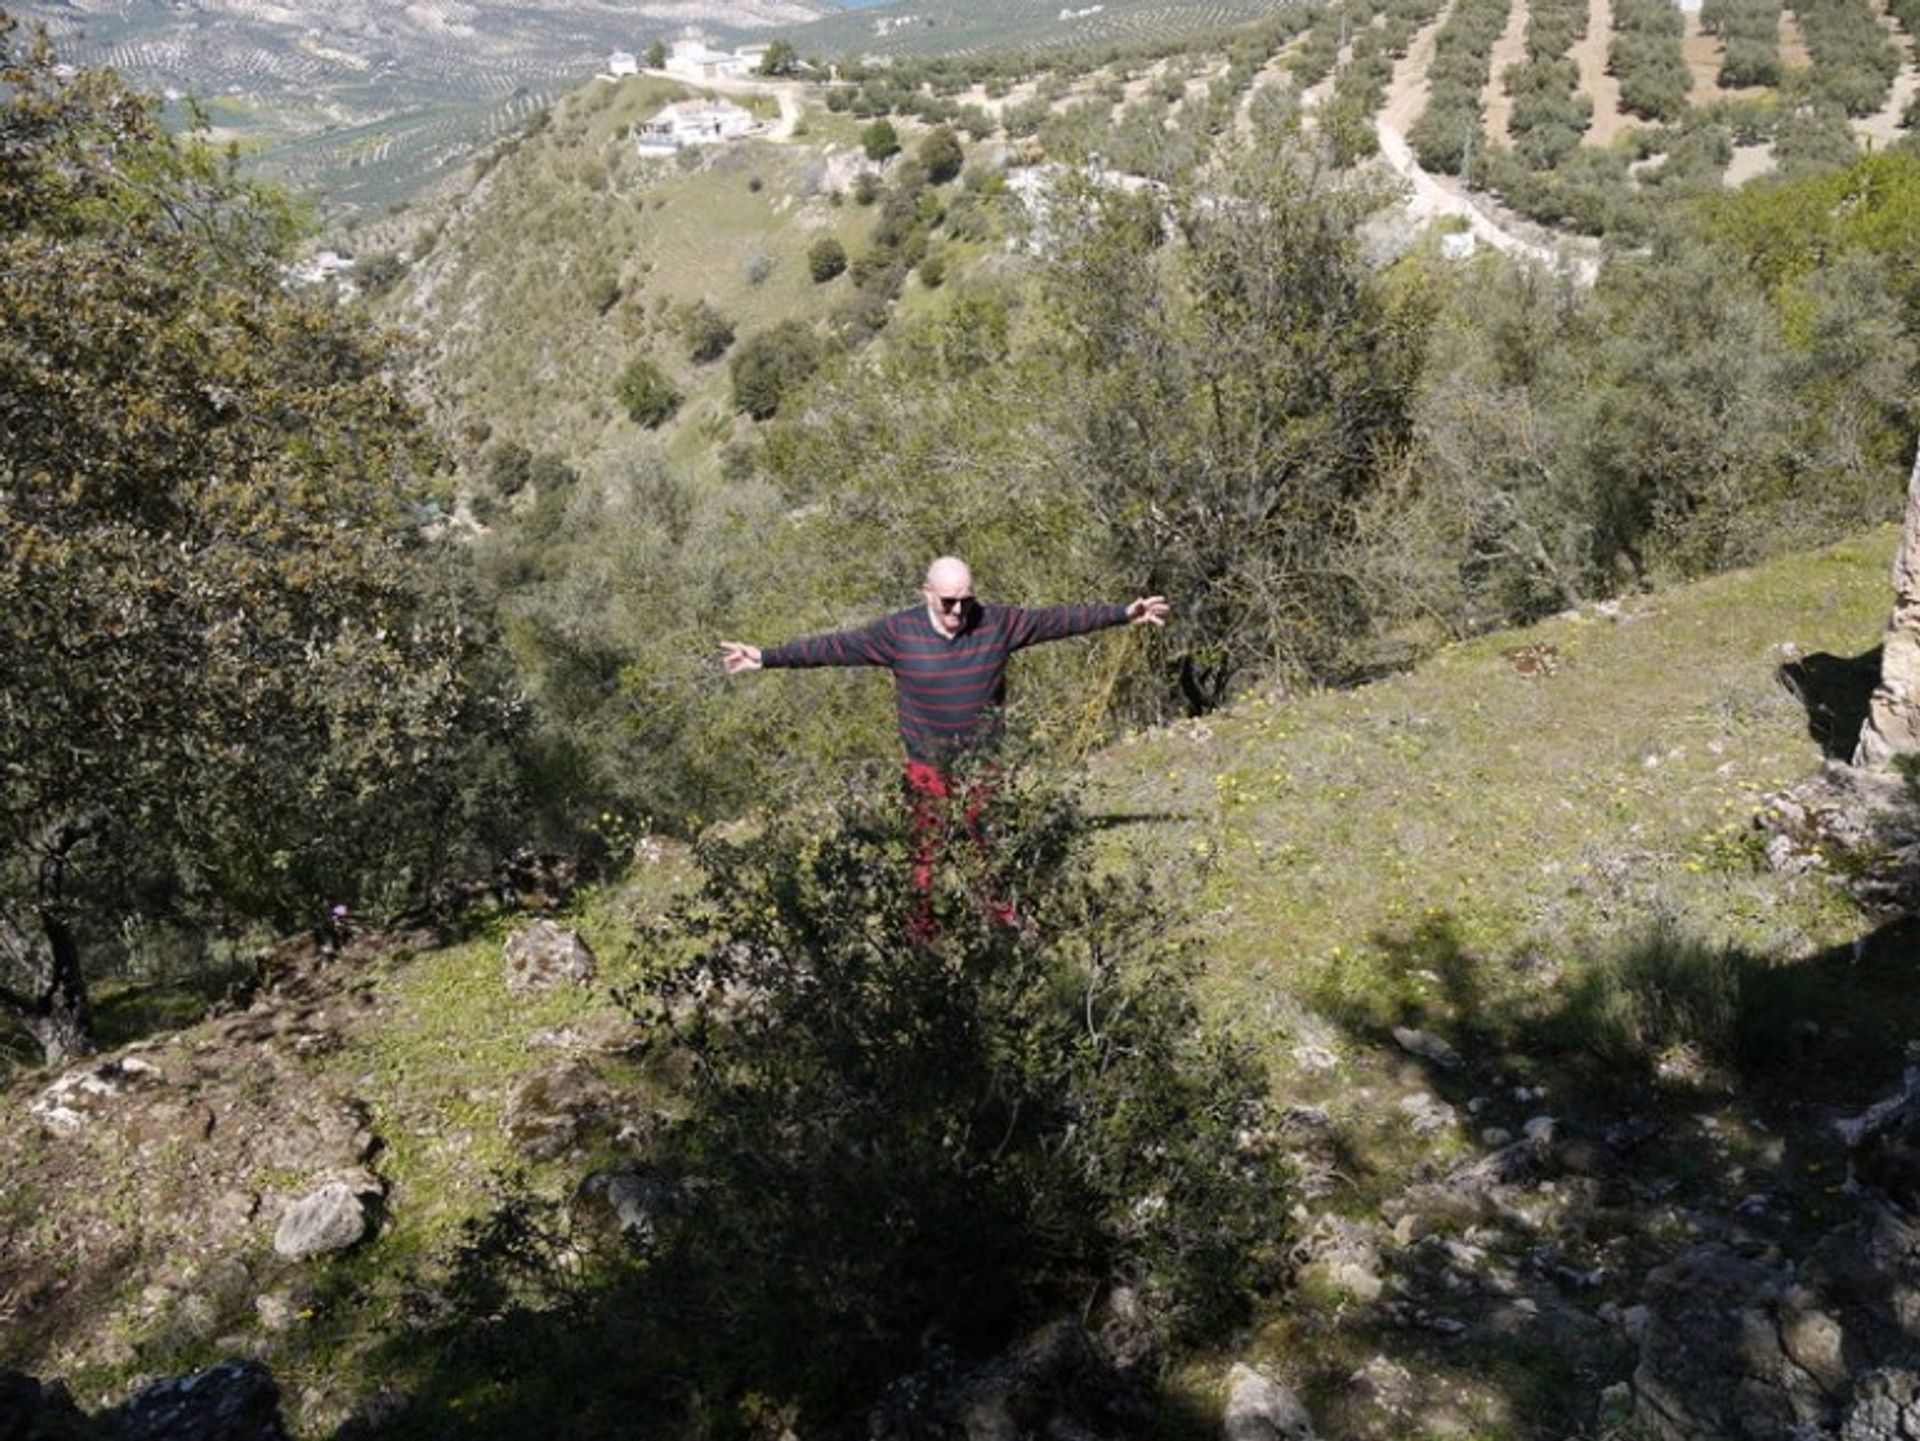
(551,1111)
(1714,1361)
(629,1203)
(333,1218)
(79,1097)
(234,1401)
(1261,1409)
(542,956)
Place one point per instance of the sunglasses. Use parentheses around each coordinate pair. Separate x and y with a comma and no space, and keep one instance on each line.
(951,603)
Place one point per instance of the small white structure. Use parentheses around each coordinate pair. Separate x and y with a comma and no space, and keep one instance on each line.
(1458,245)
(693,122)
(622,63)
(692,59)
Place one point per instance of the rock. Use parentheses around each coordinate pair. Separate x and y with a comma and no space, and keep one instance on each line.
(1713,1362)
(1052,1384)
(628,1203)
(33,1410)
(333,1218)
(1428,1047)
(1344,1255)
(234,1401)
(82,1095)
(1886,1407)
(1892,726)
(1427,1114)
(1260,1409)
(551,1111)
(541,956)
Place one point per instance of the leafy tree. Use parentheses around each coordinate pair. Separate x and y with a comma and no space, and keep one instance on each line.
(767,367)
(880,141)
(826,258)
(941,154)
(649,397)
(1231,399)
(781,59)
(234,687)
(656,55)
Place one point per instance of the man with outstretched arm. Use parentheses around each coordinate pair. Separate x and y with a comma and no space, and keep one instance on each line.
(949,663)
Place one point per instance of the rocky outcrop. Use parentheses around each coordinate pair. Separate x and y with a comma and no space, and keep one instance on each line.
(1893,714)
(541,956)
(233,1401)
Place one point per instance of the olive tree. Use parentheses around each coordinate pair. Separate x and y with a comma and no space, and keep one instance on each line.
(231,686)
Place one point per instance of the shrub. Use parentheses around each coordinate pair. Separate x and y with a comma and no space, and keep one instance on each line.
(649,396)
(769,366)
(880,141)
(708,333)
(826,258)
(941,154)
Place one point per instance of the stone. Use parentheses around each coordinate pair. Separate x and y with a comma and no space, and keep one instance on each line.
(629,1202)
(1712,1362)
(1261,1409)
(82,1095)
(1427,1046)
(1886,1407)
(331,1219)
(542,956)
(1892,726)
(234,1401)
(551,1111)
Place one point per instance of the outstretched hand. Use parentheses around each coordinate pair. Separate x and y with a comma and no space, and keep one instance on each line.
(1148,610)
(737,656)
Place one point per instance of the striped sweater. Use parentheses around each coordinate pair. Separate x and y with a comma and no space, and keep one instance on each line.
(948,690)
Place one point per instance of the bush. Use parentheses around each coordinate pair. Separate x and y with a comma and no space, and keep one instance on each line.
(942,156)
(649,397)
(708,333)
(880,141)
(771,364)
(826,258)
(1041,1099)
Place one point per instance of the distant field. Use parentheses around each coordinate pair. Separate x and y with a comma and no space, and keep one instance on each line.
(974,27)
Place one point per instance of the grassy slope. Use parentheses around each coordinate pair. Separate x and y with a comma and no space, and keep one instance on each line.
(513,292)
(1443,848)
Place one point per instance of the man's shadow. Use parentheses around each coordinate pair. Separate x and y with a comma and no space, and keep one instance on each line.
(1835,691)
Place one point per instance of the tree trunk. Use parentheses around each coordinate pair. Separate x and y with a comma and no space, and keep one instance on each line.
(1893,715)
(53,1003)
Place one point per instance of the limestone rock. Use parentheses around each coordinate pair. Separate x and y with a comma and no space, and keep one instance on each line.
(1260,1409)
(333,1218)
(234,1401)
(551,1111)
(1886,1407)
(81,1096)
(1893,714)
(1427,1046)
(541,956)
(1713,1362)
(629,1202)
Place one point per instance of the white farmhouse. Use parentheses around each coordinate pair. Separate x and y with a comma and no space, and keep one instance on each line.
(622,63)
(693,122)
(692,59)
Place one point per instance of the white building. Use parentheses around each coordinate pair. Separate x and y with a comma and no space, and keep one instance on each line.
(692,59)
(693,122)
(621,63)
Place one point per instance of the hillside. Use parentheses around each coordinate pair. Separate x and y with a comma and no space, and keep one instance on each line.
(1472,852)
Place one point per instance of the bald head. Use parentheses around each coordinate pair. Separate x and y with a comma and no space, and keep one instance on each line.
(949,575)
(949,593)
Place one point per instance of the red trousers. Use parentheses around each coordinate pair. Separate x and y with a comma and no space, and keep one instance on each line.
(930,792)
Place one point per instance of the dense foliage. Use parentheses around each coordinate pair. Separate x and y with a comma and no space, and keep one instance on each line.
(892,1149)
(237,683)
